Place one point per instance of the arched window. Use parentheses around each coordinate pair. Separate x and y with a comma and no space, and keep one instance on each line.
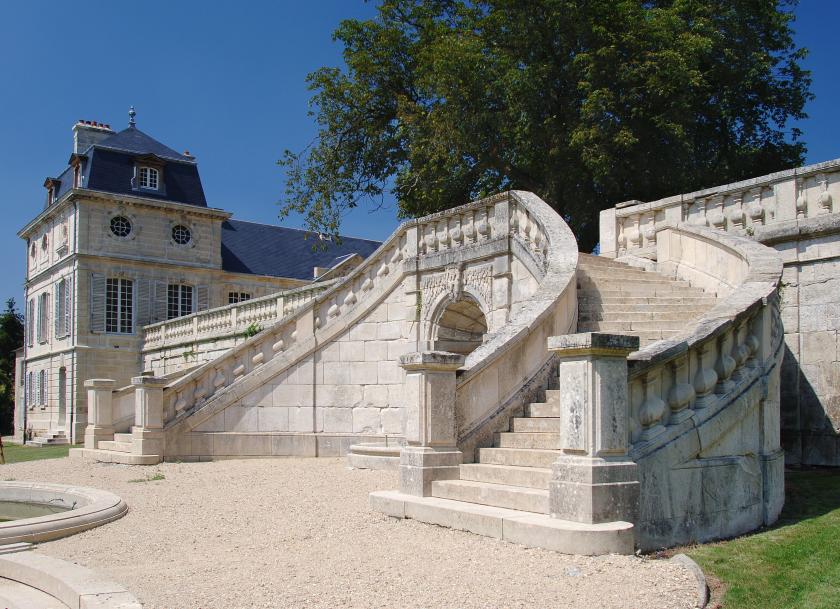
(149,178)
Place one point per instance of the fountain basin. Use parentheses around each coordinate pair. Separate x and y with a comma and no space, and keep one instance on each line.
(38,511)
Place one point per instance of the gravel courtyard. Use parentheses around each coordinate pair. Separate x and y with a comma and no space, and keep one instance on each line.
(298,533)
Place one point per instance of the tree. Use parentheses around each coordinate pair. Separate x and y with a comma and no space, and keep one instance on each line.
(11,338)
(585,102)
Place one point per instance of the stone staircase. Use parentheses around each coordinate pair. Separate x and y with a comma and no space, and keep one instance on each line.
(121,450)
(506,493)
(52,438)
(620,299)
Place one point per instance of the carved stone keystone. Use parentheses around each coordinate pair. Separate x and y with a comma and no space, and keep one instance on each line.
(594,481)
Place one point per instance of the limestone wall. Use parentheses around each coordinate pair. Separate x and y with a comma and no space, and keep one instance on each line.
(796,213)
(330,370)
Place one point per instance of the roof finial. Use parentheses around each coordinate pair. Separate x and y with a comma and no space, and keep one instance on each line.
(131,114)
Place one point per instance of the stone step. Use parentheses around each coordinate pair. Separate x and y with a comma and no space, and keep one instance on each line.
(678,314)
(636,326)
(601,261)
(653,308)
(552,395)
(120,447)
(49,441)
(122,437)
(645,337)
(508,439)
(497,495)
(530,530)
(608,299)
(510,475)
(655,291)
(521,457)
(535,425)
(543,409)
(644,280)
(112,456)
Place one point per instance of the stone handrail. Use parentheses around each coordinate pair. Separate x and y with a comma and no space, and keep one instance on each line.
(515,223)
(741,207)
(229,319)
(727,352)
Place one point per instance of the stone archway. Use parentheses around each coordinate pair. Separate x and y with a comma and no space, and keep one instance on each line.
(460,327)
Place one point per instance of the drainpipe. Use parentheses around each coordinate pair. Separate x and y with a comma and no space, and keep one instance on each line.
(74,360)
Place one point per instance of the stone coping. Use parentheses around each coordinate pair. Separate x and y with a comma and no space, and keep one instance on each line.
(72,584)
(89,507)
(620,344)
(762,280)
(793,230)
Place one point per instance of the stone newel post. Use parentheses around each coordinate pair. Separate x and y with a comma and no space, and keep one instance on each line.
(594,481)
(147,437)
(430,421)
(100,416)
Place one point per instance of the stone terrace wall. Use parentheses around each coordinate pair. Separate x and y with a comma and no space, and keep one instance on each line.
(795,212)
(328,375)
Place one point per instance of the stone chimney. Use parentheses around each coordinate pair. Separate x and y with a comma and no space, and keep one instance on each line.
(86,133)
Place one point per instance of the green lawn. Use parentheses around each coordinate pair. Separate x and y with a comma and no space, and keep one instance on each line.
(15,453)
(794,564)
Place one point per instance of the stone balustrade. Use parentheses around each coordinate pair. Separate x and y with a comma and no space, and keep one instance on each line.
(741,207)
(233,319)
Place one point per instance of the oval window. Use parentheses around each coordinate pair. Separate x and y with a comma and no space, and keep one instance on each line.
(121,226)
(181,234)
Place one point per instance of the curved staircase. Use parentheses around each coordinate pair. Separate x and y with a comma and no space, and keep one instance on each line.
(506,493)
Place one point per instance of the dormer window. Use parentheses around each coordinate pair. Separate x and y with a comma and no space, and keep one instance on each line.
(149,178)
(77,176)
(52,185)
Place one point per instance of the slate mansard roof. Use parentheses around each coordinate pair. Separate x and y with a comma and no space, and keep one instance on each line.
(247,247)
(108,166)
(277,251)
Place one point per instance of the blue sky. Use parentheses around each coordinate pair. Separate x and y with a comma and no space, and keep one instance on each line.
(225,81)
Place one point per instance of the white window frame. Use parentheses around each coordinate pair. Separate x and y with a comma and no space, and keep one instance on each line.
(180,290)
(237,297)
(148,178)
(119,305)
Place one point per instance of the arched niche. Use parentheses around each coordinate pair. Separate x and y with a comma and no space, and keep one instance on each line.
(460,326)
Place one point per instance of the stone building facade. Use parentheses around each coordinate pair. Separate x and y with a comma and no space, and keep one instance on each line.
(126,239)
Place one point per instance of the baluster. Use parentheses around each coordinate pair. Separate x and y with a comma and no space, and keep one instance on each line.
(801,199)
(704,379)
(824,200)
(681,393)
(653,407)
(724,367)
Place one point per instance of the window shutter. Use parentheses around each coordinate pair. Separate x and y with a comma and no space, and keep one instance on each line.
(202,298)
(160,301)
(97,302)
(46,388)
(68,306)
(58,299)
(144,302)
(30,322)
(38,387)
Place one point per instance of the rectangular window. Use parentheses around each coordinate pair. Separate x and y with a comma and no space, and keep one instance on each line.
(234,297)
(43,317)
(119,306)
(179,300)
(30,389)
(42,387)
(148,178)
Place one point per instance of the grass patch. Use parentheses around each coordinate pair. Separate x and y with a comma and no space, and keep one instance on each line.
(17,453)
(155,478)
(792,565)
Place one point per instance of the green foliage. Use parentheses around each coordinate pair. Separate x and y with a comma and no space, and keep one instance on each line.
(585,103)
(11,338)
(252,330)
(188,354)
(17,453)
(792,565)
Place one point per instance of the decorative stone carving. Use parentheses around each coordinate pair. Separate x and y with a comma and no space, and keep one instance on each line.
(825,201)
(480,279)
(801,199)
(436,284)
